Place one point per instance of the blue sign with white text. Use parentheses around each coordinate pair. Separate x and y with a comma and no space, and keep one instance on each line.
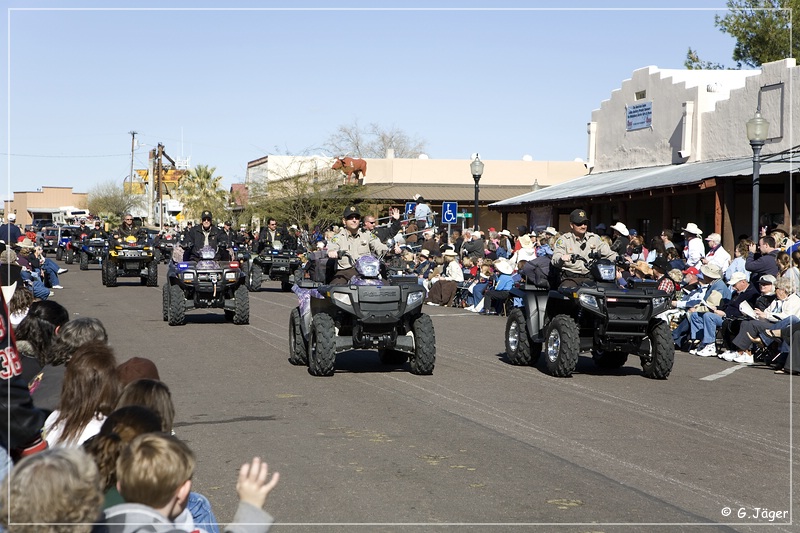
(410,206)
(449,211)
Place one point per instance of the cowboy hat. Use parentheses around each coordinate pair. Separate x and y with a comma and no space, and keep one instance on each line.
(525,241)
(643,267)
(450,253)
(692,228)
(620,227)
(26,243)
(710,270)
(425,252)
(504,266)
(662,264)
(675,275)
(550,230)
(505,232)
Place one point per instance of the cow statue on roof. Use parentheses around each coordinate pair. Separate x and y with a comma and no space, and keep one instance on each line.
(354,168)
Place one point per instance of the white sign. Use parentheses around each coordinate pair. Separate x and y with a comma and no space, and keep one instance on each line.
(638,116)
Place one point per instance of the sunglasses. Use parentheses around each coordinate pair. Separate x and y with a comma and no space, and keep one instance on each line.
(353,217)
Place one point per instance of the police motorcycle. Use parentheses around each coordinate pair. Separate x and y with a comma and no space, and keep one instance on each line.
(374,311)
(130,256)
(591,313)
(206,283)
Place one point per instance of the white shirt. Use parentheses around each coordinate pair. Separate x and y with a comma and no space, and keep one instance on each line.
(52,433)
(719,257)
(694,252)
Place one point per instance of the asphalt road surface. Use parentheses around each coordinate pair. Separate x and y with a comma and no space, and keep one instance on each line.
(480,445)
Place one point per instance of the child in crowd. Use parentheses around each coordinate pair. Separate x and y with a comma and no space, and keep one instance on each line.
(155,477)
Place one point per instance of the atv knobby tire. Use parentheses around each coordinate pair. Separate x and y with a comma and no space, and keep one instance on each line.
(84,261)
(241,313)
(177,306)
(152,274)
(424,358)
(111,274)
(519,348)
(254,277)
(298,350)
(662,352)
(322,348)
(70,257)
(165,302)
(562,346)
(59,253)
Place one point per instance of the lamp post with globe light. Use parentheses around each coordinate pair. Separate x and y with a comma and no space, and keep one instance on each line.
(476,167)
(757,129)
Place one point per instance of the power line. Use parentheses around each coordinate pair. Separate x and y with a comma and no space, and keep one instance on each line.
(62,156)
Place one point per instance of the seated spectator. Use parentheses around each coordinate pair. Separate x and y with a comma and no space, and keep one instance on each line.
(52,491)
(88,395)
(660,267)
(704,325)
(716,253)
(790,335)
(42,266)
(786,268)
(19,303)
(443,290)
(621,238)
(479,286)
(10,262)
(117,431)
(675,259)
(36,335)
(155,478)
(636,250)
(786,304)
(137,368)
(766,287)
(496,296)
(46,386)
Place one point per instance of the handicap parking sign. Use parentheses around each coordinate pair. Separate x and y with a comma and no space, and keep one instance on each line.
(410,206)
(449,211)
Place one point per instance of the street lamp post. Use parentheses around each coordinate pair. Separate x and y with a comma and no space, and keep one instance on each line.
(757,129)
(476,167)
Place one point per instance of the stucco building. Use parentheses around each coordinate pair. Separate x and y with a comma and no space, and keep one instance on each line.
(670,147)
(43,203)
(391,182)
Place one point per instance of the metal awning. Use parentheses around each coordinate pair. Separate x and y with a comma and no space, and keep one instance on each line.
(647,179)
(49,210)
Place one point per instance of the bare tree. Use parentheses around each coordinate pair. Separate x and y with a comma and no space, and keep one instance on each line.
(373,141)
(110,198)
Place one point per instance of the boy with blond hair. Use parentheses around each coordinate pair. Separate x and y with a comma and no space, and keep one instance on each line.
(154,476)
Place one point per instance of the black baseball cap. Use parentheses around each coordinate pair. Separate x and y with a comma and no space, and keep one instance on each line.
(351,210)
(578,216)
(206,215)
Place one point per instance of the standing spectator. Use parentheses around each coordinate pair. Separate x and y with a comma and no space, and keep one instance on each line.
(383,232)
(621,239)
(422,213)
(10,232)
(786,269)
(693,249)
(716,253)
(737,265)
(666,238)
(763,262)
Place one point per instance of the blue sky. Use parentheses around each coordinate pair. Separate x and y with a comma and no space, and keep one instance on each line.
(236,85)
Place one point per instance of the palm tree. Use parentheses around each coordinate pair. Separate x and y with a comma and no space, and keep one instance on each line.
(200,190)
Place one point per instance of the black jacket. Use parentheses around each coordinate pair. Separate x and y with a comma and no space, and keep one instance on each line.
(265,237)
(196,240)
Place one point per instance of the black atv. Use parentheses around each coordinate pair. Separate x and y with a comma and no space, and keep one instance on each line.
(368,313)
(274,263)
(92,251)
(164,246)
(591,314)
(130,256)
(206,283)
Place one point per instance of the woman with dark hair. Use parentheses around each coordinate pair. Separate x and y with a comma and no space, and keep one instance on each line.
(89,394)
(35,336)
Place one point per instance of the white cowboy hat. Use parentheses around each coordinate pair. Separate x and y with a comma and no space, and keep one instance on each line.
(692,228)
(551,230)
(450,253)
(425,252)
(622,228)
(504,266)
(525,241)
(505,232)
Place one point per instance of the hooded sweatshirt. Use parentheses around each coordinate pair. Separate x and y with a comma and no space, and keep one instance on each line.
(135,518)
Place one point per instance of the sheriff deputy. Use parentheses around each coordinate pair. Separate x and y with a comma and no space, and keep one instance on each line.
(578,242)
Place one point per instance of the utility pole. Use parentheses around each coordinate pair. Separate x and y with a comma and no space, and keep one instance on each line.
(133,146)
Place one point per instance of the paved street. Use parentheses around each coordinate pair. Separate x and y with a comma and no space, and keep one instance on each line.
(478,442)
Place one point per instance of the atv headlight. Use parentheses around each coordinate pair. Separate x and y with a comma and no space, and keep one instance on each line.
(188,276)
(344,298)
(589,301)
(414,297)
(607,272)
(659,302)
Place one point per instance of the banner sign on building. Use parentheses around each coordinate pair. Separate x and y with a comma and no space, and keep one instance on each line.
(638,116)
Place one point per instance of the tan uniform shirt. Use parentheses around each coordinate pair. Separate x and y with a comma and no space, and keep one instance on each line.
(360,244)
(569,244)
